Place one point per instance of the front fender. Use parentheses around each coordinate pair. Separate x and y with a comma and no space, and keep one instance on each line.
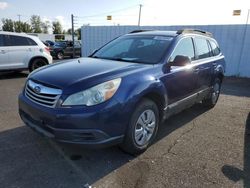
(131,92)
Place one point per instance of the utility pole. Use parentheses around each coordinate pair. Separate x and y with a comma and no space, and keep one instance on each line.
(73,34)
(139,21)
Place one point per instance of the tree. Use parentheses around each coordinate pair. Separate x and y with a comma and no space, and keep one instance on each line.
(57,27)
(69,31)
(26,28)
(78,33)
(45,26)
(8,25)
(36,24)
(22,27)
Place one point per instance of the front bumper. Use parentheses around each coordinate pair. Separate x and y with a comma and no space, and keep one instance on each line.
(93,128)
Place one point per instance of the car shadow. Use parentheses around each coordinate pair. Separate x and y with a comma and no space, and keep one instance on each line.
(235,174)
(28,159)
(12,75)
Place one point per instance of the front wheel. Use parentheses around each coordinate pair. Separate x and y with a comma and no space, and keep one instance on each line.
(214,95)
(142,128)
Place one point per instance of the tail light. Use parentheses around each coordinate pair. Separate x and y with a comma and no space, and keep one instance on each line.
(47,49)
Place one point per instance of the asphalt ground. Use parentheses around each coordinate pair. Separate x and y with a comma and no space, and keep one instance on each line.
(198,147)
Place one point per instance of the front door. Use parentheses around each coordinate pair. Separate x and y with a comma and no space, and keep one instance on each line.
(181,81)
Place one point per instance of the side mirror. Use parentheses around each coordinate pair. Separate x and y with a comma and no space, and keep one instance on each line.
(180,60)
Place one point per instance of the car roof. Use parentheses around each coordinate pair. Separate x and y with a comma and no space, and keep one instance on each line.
(156,32)
(183,32)
(13,33)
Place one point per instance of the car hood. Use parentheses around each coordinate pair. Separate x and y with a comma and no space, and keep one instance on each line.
(84,72)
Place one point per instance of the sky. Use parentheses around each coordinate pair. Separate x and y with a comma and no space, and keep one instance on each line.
(125,12)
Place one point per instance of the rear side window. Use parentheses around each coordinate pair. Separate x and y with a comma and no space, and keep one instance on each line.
(202,48)
(1,40)
(31,42)
(215,48)
(19,41)
(184,48)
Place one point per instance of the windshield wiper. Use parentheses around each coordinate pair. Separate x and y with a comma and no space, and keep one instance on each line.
(131,60)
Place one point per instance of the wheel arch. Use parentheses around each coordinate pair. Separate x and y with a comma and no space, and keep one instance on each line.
(37,57)
(159,99)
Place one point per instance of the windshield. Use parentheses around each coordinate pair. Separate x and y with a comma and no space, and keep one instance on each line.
(139,49)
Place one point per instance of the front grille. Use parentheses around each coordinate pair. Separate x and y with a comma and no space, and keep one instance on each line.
(41,94)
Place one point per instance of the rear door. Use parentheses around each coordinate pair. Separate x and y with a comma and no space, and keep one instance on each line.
(203,63)
(20,50)
(4,55)
(181,81)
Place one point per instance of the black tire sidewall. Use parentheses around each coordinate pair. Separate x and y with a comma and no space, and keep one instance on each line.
(130,144)
(36,61)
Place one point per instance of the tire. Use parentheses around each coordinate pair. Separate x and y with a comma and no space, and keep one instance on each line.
(60,55)
(37,63)
(213,97)
(148,111)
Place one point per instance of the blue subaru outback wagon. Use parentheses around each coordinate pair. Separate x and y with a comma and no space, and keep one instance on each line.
(121,93)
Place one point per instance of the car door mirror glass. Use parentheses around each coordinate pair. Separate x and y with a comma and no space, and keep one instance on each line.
(180,60)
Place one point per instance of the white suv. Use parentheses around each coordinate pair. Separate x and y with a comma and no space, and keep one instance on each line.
(19,51)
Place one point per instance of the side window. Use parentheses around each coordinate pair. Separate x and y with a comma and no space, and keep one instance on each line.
(215,48)
(185,48)
(18,41)
(202,48)
(31,42)
(1,40)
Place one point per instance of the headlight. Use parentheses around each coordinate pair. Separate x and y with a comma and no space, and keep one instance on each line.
(94,95)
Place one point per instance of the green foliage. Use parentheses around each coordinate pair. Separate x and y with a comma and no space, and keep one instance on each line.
(16,26)
(22,27)
(36,24)
(57,27)
(8,25)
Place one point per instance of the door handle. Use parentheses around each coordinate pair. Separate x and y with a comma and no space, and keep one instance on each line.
(3,51)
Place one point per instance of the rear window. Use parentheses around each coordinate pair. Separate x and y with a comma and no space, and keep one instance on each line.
(215,48)
(202,48)
(19,41)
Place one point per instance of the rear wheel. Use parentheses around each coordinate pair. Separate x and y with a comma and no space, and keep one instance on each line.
(142,128)
(37,63)
(214,95)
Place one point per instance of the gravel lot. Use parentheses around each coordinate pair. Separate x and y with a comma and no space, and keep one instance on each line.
(196,148)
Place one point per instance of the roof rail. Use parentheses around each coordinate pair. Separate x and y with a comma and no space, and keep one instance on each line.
(195,31)
(140,30)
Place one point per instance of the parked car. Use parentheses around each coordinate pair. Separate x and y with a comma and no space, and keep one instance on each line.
(65,48)
(51,43)
(19,51)
(121,93)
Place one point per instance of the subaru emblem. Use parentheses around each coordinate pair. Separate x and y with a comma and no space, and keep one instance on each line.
(37,89)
